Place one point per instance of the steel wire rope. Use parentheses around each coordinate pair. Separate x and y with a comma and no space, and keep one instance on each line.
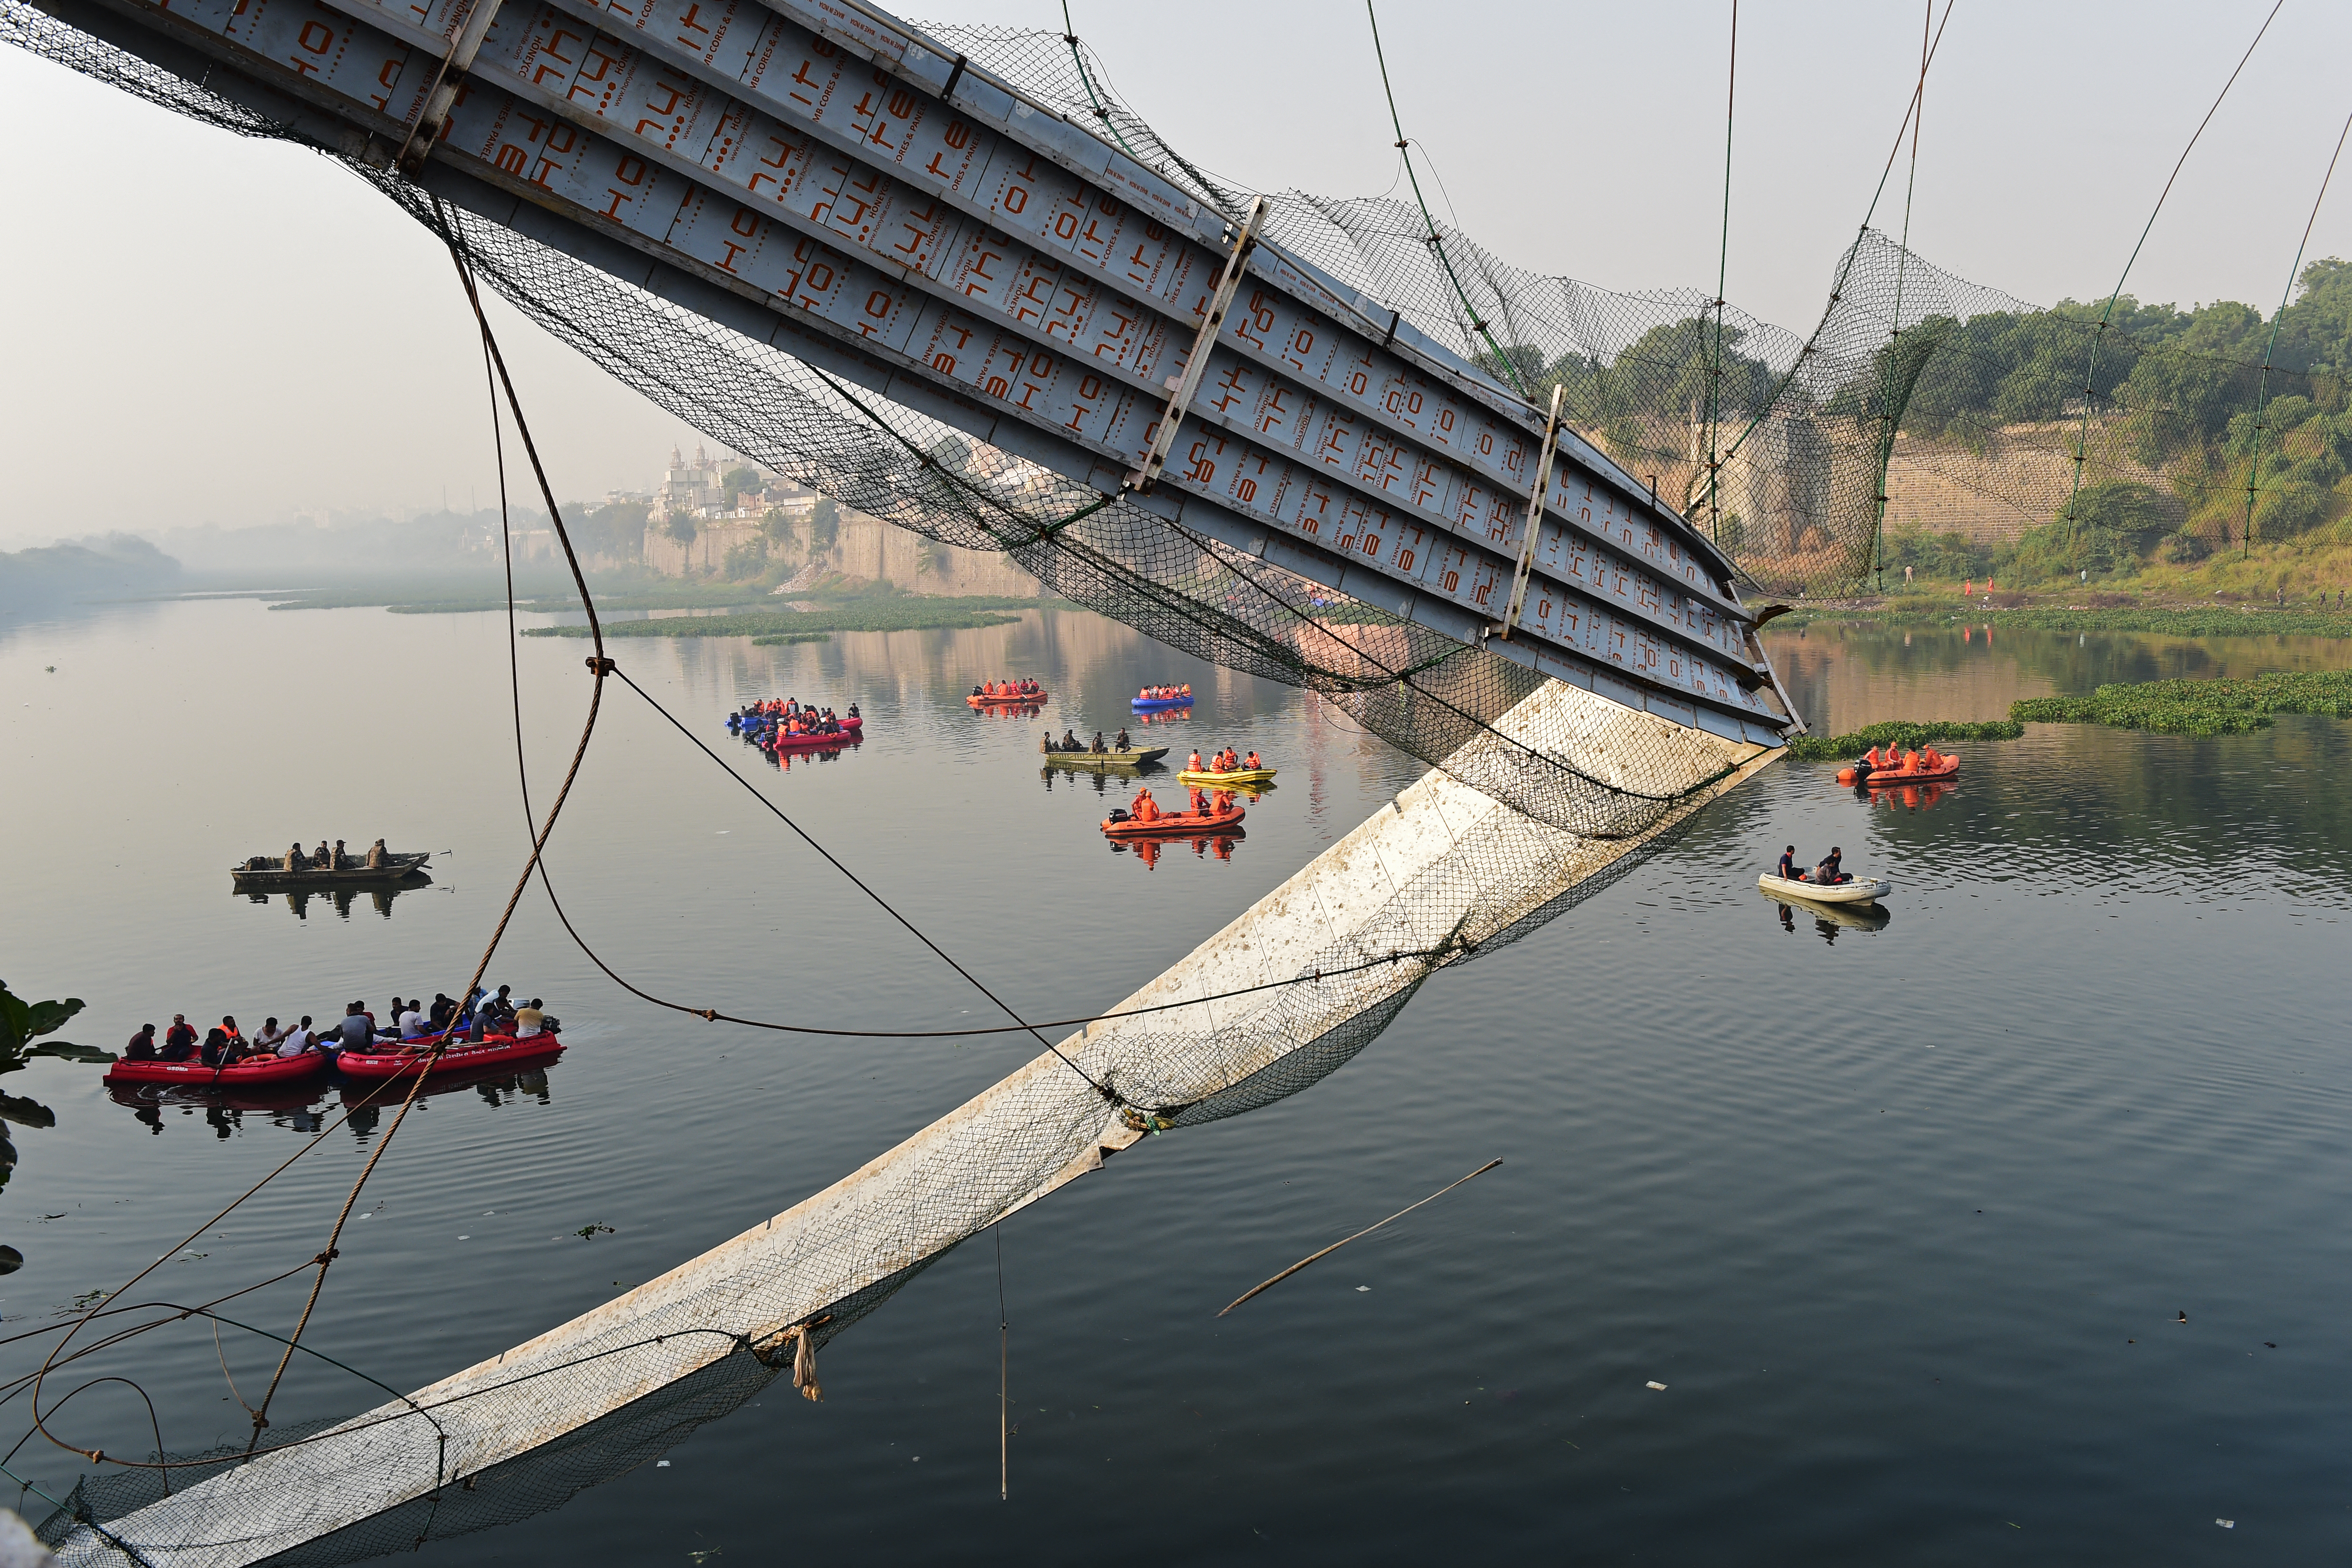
(1853,254)
(2090,373)
(1436,244)
(713,1015)
(605,666)
(2262,400)
(1895,334)
(1180,607)
(1722,275)
(599,666)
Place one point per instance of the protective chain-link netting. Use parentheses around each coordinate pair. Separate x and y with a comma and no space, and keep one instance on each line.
(1585,786)
(1462,876)
(1921,400)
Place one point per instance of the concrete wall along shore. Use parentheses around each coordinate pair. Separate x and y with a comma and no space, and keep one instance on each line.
(1437,871)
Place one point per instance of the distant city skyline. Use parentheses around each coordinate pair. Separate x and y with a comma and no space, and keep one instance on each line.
(279,340)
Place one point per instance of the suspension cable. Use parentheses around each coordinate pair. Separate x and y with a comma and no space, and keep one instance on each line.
(2090,375)
(1437,242)
(2261,399)
(1722,273)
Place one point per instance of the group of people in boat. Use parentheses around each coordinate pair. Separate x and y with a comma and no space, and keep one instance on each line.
(788,716)
(1886,760)
(1098,746)
(335,859)
(1024,687)
(1143,808)
(1225,762)
(416,1026)
(1163,693)
(1828,874)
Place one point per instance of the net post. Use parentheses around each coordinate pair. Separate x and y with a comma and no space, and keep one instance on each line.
(1533,524)
(1181,387)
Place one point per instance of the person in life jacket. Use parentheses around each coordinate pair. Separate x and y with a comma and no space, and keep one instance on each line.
(1910,762)
(1930,759)
(1194,765)
(1252,763)
(1144,808)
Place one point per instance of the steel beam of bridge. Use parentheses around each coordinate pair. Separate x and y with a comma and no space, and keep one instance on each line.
(826,179)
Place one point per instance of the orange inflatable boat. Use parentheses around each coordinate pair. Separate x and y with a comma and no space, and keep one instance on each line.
(1178,823)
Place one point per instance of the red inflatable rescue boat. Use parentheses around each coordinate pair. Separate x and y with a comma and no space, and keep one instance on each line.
(498,1050)
(195,1075)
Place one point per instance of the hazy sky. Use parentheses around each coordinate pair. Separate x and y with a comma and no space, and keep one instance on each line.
(208,328)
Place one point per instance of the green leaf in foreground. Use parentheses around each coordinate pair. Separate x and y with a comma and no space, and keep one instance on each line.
(1899,732)
(2219,707)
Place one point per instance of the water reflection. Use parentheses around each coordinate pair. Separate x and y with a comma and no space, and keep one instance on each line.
(782,757)
(1149,851)
(308,1106)
(1830,918)
(339,899)
(1910,798)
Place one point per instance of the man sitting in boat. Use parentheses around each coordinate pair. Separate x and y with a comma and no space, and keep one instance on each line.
(376,856)
(357,1029)
(1194,765)
(1790,871)
(528,1020)
(319,861)
(142,1048)
(1124,743)
(1143,808)
(1069,743)
(1827,872)
(295,859)
(1251,763)
(299,1039)
(1097,747)
(1930,759)
(180,1040)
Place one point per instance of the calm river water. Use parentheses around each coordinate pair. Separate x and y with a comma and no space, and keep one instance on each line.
(1903,1219)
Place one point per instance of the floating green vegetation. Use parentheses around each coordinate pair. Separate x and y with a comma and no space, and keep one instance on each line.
(2219,707)
(783,639)
(1899,732)
(878,613)
(2202,621)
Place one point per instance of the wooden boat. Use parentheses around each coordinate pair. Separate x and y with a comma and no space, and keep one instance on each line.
(1154,704)
(498,1050)
(195,1075)
(1240,778)
(1135,757)
(1006,699)
(1172,825)
(270,873)
(1861,890)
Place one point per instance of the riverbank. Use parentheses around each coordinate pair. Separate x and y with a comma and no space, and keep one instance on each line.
(2076,613)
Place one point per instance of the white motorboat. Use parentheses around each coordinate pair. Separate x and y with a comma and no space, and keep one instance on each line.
(1861,890)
